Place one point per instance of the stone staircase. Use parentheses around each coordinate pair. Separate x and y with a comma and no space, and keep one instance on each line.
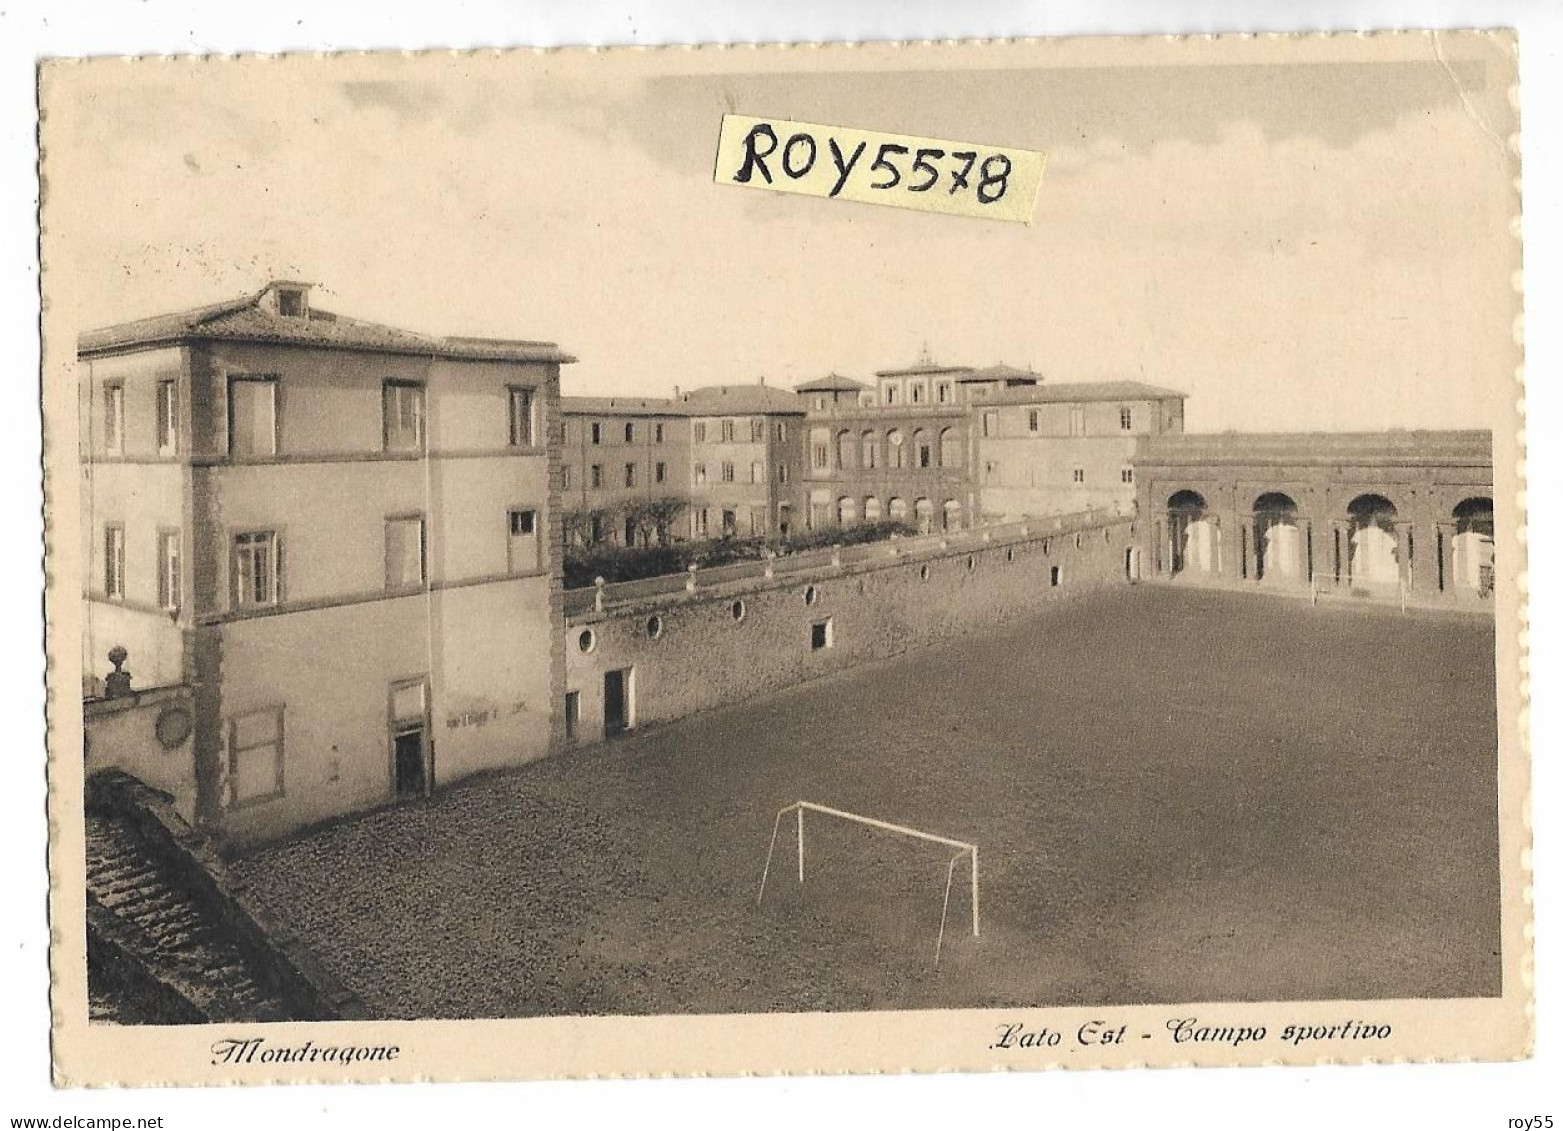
(180,940)
(171,938)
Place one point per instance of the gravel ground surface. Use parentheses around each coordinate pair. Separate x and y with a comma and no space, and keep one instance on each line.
(1179,796)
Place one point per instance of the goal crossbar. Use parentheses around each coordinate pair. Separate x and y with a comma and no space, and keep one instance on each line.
(964,849)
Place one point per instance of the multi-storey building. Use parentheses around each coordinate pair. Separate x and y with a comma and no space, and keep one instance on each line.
(744,456)
(1051,449)
(900,454)
(622,456)
(340,535)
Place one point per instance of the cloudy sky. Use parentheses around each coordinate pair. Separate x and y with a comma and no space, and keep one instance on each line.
(1313,244)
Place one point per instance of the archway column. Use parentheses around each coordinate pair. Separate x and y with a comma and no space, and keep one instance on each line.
(1403,539)
(1340,552)
(1304,551)
(1443,544)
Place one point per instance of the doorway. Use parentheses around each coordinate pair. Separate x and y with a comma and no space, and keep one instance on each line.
(618,701)
(412,753)
(572,715)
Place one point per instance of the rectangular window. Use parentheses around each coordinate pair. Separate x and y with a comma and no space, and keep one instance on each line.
(523,541)
(1126,419)
(255,573)
(596,479)
(114,418)
(889,394)
(629,475)
(700,473)
(1079,475)
(756,520)
(756,472)
(659,433)
(564,476)
(114,561)
(781,473)
(1077,422)
(700,519)
(727,431)
(1127,475)
(629,432)
(596,432)
(405,563)
(255,756)
(168,576)
(403,416)
(700,431)
(822,634)
(564,431)
(523,417)
(661,473)
(1055,576)
(727,471)
(918,390)
(821,456)
(757,430)
(167,418)
(990,424)
(1033,421)
(781,432)
(944,392)
(252,416)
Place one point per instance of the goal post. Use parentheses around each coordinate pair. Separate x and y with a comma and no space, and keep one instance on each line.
(964,850)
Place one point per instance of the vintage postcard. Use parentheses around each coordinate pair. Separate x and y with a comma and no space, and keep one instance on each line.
(856,558)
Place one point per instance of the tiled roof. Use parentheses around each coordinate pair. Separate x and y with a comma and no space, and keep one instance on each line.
(743,400)
(831,383)
(247,319)
(922,368)
(1001,372)
(1082,391)
(607,406)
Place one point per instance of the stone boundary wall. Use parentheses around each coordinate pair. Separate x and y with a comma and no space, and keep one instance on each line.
(719,644)
(282,957)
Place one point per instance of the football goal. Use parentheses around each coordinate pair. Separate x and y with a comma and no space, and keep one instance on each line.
(964,851)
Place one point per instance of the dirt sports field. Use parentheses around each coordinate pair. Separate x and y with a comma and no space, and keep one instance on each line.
(1178,796)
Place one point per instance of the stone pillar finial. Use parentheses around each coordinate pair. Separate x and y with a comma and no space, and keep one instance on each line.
(116,685)
(600,597)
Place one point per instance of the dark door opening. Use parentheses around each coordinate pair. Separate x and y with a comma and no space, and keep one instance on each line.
(572,715)
(411,780)
(616,702)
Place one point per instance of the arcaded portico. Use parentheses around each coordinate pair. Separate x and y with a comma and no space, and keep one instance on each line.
(1386,513)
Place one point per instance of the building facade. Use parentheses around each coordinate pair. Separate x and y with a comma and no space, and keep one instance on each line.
(624,464)
(1057,449)
(341,536)
(1387,513)
(744,458)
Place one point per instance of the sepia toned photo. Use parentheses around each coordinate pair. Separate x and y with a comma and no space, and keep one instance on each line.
(938,557)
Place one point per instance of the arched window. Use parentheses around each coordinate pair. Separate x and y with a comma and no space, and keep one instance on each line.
(950,448)
(922,449)
(844,453)
(846,511)
(870,452)
(924,511)
(952,514)
(897,509)
(897,449)
(819,449)
(871,509)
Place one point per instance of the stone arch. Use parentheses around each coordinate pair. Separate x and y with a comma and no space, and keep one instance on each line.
(1193,536)
(952,514)
(1278,539)
(895,449)
(897,509)
(923,509)
(871,511)
(846,510)
(846,456)
(868,457)
(1473,545)
(922,450)
(1373,541)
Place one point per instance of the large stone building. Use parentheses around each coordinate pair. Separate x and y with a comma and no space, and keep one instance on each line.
(1408,514)
(744,445)
(621,458)
(340,536)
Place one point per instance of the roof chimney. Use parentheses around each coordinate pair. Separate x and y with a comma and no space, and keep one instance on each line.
(762,380)
(675,392)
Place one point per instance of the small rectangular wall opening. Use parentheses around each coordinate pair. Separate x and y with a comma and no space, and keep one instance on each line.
(1055,576)
(822,634)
